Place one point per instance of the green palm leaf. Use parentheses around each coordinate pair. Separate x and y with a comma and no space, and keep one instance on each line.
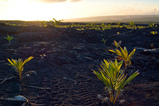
(18,64)
(131,78)
(131,54)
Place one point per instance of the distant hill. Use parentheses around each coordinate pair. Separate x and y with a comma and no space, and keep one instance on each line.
(121,18)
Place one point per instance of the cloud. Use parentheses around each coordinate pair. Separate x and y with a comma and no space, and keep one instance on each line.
(135,4)
(56,1)
(75,0)
(125,10)
(51,1)
(155,11)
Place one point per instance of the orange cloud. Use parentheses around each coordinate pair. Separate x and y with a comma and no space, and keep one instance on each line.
(52,1)
(55,1)
(75,0)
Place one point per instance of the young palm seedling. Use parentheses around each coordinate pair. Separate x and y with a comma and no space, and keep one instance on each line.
(104,41)
(113,78)
(123,54)
(154,32)
(18,64)
(56,22)
(43,24)
(132,24)
(118,33)
(151,24)
(9,38)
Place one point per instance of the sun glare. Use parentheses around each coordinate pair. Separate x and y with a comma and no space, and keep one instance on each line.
(37,11)
(65,9)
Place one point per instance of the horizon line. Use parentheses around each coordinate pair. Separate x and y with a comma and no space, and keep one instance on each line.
(76,17)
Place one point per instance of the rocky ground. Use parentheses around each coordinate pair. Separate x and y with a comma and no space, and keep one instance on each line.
(63,62)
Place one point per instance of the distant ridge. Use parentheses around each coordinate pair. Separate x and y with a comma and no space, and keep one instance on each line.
(118,18)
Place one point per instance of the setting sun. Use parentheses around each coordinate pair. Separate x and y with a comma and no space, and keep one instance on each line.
(35,11)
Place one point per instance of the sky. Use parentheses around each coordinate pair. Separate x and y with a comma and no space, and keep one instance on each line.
(67,9)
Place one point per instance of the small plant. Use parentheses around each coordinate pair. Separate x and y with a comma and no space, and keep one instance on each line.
(151,24)
(43,24)
(119,23)
(102,25)
(118,33)
(123,54)
(56,22)
(104,41)
(18,64)
(9,38)
(154,32)
(92,25)
(132,23)
(113,78)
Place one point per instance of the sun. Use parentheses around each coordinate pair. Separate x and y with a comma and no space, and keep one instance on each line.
(37,11)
